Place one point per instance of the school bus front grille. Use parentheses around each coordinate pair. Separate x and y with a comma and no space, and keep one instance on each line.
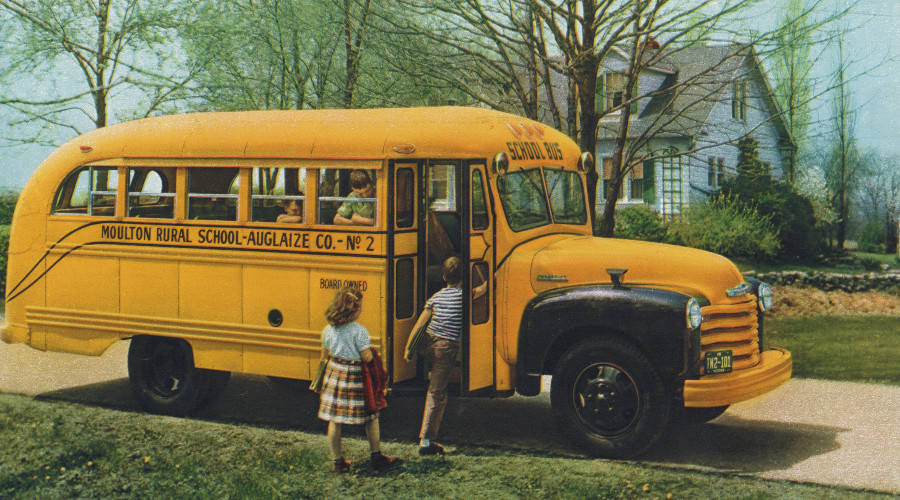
(733,327)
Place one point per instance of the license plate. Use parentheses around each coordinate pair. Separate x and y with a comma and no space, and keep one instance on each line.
(718,362)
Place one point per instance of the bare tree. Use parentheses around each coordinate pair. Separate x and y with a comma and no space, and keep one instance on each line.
(114,44)
(844,160)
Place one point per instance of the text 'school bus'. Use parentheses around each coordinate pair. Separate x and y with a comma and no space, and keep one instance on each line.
(215,242)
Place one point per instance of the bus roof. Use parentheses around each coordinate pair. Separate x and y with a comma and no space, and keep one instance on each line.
(450,132)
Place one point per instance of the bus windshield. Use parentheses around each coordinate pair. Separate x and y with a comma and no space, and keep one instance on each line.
(525,200)
(566,194)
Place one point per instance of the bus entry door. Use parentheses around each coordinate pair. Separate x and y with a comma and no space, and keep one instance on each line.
(478,347)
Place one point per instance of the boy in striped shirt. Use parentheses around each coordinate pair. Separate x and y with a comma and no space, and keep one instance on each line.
(445,310)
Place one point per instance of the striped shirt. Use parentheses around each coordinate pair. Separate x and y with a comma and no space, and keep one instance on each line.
(446,313)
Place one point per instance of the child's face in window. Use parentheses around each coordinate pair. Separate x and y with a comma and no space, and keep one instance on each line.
(292,209)
(365,192)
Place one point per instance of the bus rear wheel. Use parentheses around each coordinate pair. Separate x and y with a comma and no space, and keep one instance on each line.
(606,395)
(164,379)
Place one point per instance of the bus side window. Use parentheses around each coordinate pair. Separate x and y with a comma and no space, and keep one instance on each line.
(151,192)
(347,197)
(277,194)
(213,193)
(88,191)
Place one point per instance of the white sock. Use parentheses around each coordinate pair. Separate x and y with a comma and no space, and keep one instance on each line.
(425,442)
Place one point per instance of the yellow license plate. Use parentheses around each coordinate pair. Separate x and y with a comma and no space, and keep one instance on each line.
(718,362)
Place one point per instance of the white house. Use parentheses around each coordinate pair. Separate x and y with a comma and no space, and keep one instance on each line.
(701,101)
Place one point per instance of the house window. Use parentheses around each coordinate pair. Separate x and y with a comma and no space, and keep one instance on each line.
(607,180)
(637,182)
(716,171)
(739,102)
(615,90)
(670,168)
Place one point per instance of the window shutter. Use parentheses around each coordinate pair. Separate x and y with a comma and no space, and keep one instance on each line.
(607,168)
(648,170)
(601,94)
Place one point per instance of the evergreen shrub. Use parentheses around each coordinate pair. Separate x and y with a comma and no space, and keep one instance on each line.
(790,213)
(724,226)
(872,238)
(641,222)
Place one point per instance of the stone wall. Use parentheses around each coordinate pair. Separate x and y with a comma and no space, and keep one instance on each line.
(829,282)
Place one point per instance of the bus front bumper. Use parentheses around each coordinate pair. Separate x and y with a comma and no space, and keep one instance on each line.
(774,369)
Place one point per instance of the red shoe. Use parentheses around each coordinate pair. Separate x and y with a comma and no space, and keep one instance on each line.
(341,466)
(380,461)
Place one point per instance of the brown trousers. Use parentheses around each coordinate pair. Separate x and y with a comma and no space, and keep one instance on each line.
(441,354)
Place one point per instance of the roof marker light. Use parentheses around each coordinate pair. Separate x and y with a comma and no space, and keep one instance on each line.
(405,149)
(86,149)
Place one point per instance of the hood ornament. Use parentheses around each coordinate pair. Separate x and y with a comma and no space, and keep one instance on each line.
(616,276)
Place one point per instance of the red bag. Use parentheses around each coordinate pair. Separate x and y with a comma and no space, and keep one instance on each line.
(375,381)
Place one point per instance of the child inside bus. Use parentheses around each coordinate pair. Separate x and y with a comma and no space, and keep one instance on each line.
(346,345)
(445,312)
(293,212)
(353,212)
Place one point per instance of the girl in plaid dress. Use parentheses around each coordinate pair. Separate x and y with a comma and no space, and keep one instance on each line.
(345,343)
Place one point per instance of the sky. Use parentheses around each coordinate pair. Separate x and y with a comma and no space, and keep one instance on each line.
(873,48)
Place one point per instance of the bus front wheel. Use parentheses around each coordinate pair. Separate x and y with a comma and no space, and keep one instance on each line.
(607,396)
(164,379)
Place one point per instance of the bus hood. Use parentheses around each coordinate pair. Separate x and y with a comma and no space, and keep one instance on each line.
(577,260)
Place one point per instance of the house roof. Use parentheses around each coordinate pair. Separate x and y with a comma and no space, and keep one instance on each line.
(700,79)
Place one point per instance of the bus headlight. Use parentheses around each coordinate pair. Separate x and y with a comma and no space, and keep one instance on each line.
(766,296)
(694,314)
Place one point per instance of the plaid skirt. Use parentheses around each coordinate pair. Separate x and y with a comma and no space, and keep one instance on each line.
(342,400)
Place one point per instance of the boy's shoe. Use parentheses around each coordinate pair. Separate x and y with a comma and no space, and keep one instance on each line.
(380,461)
(432,449)
(341,465)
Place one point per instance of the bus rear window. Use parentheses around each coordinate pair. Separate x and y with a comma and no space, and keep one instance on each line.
(88,191)
(213,193)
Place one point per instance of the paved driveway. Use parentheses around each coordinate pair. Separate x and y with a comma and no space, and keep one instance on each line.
(832,433)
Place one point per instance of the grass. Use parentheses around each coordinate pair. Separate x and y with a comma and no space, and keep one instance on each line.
(875,258)
(64,450)
(848,348)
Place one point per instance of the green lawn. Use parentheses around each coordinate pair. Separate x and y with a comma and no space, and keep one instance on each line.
(64,450)
(850,348)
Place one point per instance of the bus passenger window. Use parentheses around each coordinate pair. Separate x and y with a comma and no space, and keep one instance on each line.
(277,194)
(213,193)
(347,197)
(88,191)
(151,192)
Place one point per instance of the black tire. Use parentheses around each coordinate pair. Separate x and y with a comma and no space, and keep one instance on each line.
(689,415)
(608,397)
(164,379)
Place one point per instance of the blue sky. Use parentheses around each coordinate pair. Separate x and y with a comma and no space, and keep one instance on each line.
(870,47)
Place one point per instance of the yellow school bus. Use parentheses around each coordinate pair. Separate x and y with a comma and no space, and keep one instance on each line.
(215,241)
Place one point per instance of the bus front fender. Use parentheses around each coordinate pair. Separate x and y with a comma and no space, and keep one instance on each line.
(652,319)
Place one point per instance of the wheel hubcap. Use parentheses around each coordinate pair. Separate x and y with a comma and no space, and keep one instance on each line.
(606,399)
(165,369)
